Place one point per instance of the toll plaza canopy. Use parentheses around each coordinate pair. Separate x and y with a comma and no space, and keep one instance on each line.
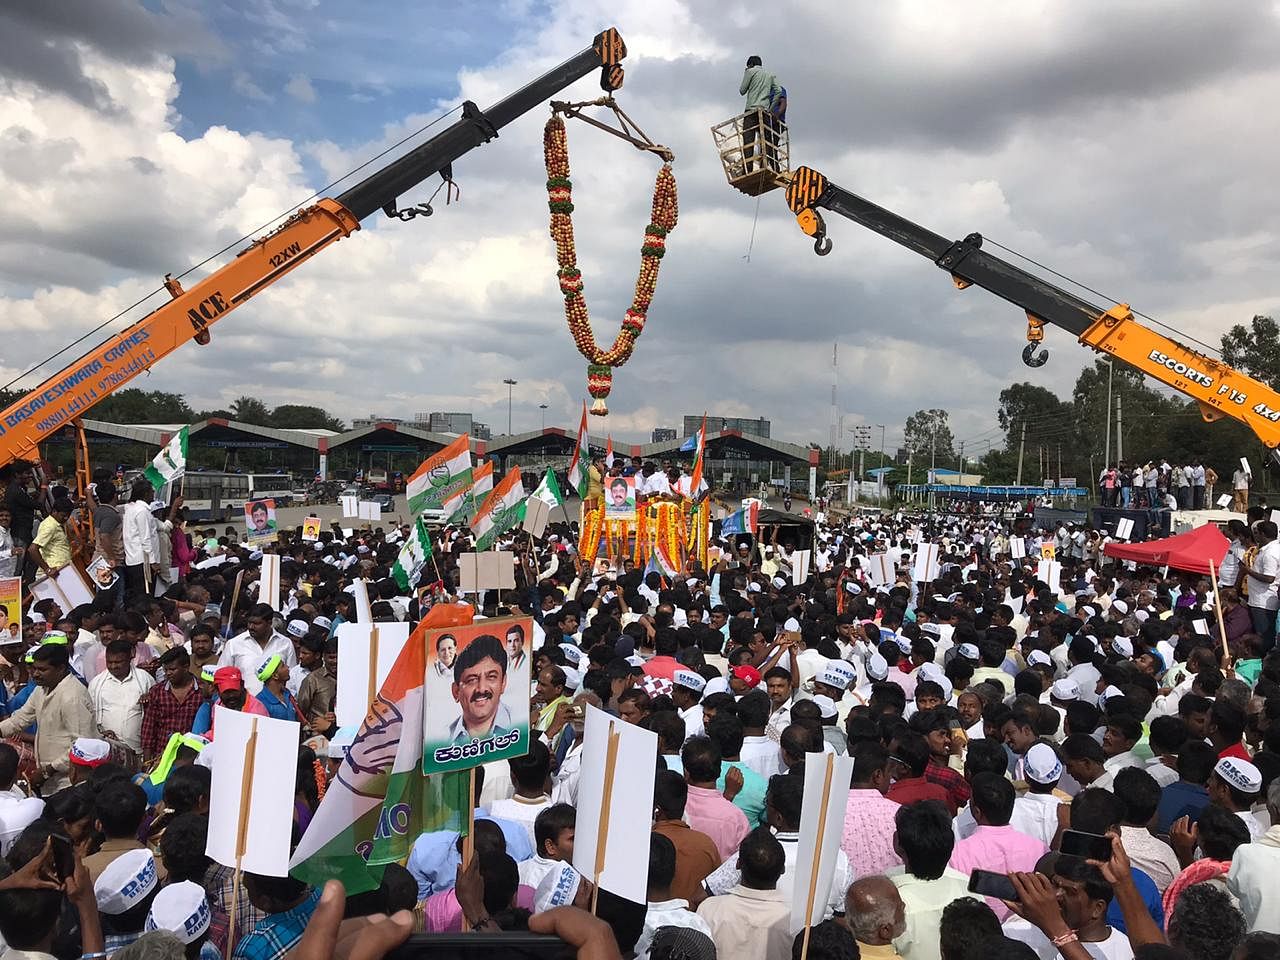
(1191,551)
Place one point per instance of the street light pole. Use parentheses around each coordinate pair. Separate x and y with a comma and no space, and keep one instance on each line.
(543,408)
(510,383)
(1106,450)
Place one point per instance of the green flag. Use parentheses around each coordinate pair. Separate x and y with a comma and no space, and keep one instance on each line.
(170,463)
(548,491)
(413,557)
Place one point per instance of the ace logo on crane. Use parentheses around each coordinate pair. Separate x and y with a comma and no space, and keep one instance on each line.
(210,308)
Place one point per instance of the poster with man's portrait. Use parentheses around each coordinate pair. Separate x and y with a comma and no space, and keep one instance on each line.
(260,521)
(477,703)
(620,498)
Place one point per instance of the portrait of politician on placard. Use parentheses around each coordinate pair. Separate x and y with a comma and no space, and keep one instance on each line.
(477,708)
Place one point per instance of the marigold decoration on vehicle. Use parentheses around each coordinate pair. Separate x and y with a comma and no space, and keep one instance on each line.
(663,221)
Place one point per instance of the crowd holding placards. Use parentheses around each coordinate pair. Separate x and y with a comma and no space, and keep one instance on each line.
(995,723)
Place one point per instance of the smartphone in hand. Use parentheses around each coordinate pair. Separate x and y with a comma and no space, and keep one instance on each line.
(988,883)
(1087,846)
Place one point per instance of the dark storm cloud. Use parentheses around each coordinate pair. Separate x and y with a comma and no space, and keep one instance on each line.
(38,41)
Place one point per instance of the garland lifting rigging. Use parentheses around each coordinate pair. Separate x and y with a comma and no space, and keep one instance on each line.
(600,362)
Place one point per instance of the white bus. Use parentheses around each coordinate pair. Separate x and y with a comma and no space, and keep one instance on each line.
(214,495)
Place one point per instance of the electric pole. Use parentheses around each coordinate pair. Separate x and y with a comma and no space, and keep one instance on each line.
(962,463)
(1022,443)
(1119,439)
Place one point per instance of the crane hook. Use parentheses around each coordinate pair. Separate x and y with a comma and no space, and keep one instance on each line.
(822,246)
(1033,359)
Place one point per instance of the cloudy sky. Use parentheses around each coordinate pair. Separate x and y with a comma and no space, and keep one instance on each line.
(1131,146)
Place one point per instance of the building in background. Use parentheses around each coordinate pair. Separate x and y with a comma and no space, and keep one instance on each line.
(372,420)
(744,425)
(662,434)
(457,423)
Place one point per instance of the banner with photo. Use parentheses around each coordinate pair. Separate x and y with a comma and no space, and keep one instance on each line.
(477,694)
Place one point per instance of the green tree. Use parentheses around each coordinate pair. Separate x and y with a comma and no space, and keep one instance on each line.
(299,416)
(132,405)
(251,410)
(1036,408)
(1255,350)
(928,433)
(1001,467)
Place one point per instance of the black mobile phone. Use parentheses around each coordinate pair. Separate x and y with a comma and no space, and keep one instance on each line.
(1087,846)
(64,855)
(988,883)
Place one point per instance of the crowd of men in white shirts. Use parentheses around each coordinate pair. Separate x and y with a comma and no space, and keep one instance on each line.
(995,722)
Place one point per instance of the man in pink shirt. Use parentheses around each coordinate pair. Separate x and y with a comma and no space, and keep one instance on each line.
(995,845)
(664,665)
(869,824)
(707,809)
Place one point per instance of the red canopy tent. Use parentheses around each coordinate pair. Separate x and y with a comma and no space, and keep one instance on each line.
(1187,551)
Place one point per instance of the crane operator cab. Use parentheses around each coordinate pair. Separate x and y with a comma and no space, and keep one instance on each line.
(755,151)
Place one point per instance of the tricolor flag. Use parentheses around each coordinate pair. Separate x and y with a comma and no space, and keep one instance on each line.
(580,465)
(380,802)
(695,479)
(441,476)
(499,512)
(548,491)
(462,507)
(745,520)
(608,453)
(413,557)
(170,463)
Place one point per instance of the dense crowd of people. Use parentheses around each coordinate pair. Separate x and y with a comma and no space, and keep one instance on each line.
(1086,771)
(1159,485)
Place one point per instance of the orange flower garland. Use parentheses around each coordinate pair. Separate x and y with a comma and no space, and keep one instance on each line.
(600,363)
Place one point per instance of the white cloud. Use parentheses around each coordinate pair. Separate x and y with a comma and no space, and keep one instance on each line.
(299,87)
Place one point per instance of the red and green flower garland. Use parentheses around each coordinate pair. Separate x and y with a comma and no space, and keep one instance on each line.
(600,363)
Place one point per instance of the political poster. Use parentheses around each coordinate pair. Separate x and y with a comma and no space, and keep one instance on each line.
(310,529)
(620,498)
(260,521)
(10,609)
(477,710)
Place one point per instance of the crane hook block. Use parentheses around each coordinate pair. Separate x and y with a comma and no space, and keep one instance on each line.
(1033,359)
(822,246)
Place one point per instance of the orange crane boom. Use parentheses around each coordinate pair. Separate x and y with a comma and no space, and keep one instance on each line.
(71,392)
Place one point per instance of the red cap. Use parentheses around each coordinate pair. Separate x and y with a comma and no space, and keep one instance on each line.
(228,678)
(747,674)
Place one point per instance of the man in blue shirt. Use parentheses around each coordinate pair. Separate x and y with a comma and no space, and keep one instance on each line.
(288,905)
(1189,794)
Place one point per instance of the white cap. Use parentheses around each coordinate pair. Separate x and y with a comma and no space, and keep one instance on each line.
(826,706)
(1109,692)
(779,583)
(838,674)
(16,816)
(716,685)
(1065,689)
(636,660)
(969,651)
(89,752)
(689,679)
(296,628)
(1122,646)
(945,684)
(181,908)
(1039,656)
(903,643)
(324,622)
(877,667)
(1120,606)
(1041,764)
(931,628)
(1142,615)
(754,587)
(1241,774)
(126,881)
(572,653)
(792,625)
(557,888)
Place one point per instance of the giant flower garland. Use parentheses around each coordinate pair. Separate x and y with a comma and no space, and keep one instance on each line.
(600,363)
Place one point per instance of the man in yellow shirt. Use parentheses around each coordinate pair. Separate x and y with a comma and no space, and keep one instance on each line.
(51,549)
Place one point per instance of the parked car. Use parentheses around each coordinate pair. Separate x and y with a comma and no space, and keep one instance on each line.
(386,502)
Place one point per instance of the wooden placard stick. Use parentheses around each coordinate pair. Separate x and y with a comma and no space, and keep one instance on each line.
(373,662)
(235,598)
(242,829)
(469,841)
(602,832)
(1217,608)
(817,856)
